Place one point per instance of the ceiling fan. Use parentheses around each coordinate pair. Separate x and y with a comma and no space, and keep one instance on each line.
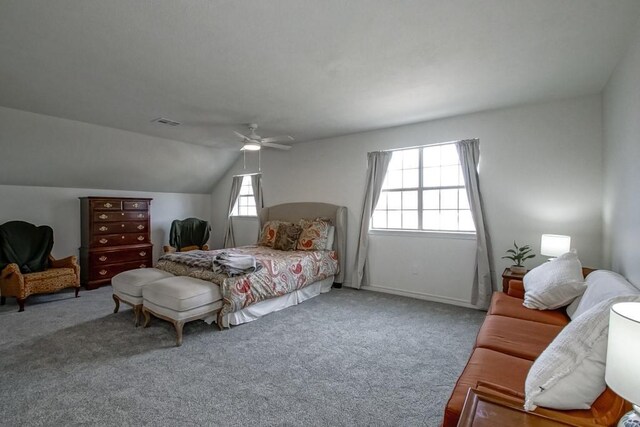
(254,142)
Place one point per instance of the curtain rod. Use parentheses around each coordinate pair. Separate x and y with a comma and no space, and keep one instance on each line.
(248,174)
(420,146)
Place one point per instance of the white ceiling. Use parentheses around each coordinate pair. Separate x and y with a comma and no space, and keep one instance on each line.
(312,69)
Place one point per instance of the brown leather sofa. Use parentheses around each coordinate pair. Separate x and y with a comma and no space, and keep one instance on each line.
(510,339)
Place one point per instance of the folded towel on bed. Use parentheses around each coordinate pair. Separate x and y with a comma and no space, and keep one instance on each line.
(234,264)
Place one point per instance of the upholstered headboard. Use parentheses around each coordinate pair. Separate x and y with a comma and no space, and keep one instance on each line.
(293,212)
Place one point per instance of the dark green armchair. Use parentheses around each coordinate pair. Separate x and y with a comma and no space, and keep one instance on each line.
(26,264)
(188,234)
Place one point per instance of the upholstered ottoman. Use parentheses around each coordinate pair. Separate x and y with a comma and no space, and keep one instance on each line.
(179,300)
(127,287)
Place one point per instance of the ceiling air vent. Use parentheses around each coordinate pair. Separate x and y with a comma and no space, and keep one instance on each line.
(166,121)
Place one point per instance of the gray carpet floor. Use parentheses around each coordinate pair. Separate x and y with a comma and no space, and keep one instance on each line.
(344,358)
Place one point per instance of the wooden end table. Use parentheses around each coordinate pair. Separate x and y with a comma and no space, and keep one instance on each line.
(507,275)
(484,410)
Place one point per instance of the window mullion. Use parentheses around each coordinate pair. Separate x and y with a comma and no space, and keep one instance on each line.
(420,187)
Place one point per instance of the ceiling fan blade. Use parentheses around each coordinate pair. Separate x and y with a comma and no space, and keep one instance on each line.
(240,135)
(278,138)
(278,146)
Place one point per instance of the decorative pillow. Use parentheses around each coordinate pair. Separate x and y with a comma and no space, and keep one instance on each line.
(287,237)
(569,374)
(268,233)
(601,285)
(554,284)
(314,235)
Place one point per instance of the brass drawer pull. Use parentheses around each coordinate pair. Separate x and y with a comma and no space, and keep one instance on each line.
(122,214)
(103,258)
(103,272)
(122,225)
(122,237)
(103,216)
(108,205)
(143,253)
(135,205)
(140,238)
(143,265)
(141,227)
(139,215)
(103,241)
(103,228)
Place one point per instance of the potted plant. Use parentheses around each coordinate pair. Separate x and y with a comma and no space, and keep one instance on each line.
(519,255)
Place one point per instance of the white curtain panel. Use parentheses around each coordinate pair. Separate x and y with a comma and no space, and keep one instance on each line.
(256,184)
(376,171)
(229,240)
(469,153)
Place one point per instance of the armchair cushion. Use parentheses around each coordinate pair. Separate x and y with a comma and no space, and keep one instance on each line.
(26,245)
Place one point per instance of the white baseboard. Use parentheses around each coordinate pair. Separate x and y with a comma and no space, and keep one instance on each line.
(419,295)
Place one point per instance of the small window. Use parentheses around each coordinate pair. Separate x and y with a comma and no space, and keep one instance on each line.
(246,203)
(424,190)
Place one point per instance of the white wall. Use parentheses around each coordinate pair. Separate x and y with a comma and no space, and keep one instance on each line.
(621,165)
(60,209)
(541,170)
(41,150)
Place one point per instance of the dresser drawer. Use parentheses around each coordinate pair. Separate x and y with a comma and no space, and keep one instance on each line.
(105,240)
(119,216)
(135,205)
(110,257)
(119,227)
(106,205)
(108,271)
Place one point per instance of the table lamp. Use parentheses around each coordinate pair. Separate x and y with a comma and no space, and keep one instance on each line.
(622,371)
(554,245)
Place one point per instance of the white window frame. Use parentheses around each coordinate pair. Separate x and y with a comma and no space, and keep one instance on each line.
(248,196)
(462,234)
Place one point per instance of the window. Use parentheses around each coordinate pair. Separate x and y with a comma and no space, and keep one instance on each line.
(424,190)
(246,203)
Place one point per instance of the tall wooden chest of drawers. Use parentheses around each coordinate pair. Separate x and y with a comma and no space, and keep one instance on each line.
(115,237)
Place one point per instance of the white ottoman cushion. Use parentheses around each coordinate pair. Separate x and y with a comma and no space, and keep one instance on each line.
(181,293)
(131,282)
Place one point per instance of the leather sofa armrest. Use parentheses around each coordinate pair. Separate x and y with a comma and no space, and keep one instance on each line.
(516,289)
(168,249)
(205,247)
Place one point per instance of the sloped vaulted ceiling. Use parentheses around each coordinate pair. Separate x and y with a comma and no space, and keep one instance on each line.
(309,68)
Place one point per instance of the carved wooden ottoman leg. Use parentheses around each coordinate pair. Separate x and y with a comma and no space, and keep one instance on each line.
(219,320)
(77,291)
(178,325)
(21,304)
(137,310)
(147,317)
(117,301)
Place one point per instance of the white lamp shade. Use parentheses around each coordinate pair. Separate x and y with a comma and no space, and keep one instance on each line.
(622,372)
(251,146)
(554,244)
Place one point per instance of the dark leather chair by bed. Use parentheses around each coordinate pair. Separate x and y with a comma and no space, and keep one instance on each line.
(26,264)
(188,234)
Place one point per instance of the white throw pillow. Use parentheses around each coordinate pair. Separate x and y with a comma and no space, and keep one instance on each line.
(554,284)
(569,374)
(601,285)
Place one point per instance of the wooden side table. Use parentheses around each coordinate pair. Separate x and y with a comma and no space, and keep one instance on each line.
(507,275)
(484,410)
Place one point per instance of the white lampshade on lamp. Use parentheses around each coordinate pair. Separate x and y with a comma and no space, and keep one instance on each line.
(622,372)
(554,245)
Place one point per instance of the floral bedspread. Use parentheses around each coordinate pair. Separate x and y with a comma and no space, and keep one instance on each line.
(281,273)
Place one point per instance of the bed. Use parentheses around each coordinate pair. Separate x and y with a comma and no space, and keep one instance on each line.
(285,278)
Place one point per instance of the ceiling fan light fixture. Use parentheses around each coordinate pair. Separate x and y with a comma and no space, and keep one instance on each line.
(251,146)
